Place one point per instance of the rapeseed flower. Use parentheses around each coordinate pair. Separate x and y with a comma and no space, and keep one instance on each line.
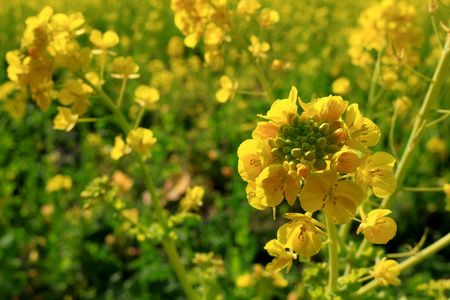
(65,119)
(146,96)
(386,272)
(227,90)
(141,140)
(125,67)
(376,227)
(283,259)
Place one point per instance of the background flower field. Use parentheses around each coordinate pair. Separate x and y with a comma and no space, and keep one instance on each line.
(54,246)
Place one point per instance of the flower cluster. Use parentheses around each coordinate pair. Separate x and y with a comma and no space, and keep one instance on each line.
(319,158)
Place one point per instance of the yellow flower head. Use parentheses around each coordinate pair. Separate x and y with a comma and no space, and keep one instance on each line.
(103,41)
(227,90)
(267,18)
(341,86)
(276,182)
(257,48)
(247,8)
(375,171)
(254,155)
(386,272)
(59,182)
(141,140)
(282,111)
(65,119)
(362,132)
(302,234)
(125,67)
(146,96)
(120,148)
(64,25)
(282,258)
(376,227)
(338,198)
(75,93)
(327,109)
(193,199)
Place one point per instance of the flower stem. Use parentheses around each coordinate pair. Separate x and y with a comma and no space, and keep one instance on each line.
(412,261)
(333,263)
(430,98)
(139,117)
(167,242)
(423,189)
(373,83)
(122,91)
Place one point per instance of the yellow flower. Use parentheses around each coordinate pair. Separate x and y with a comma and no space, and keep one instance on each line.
(65,119)
(146,96)
(245,280)
(362,132)
(247,8)
(377,228)
(227,90)
(282,258)
(257,48)
(282,111)
(63,24)
(103,41)
(346,161)
(386,272)
(69,55)
(265,130)
(120,148)
(252,159)
(125,67)
(75,93)
(267,18)
(327,109)
(193,199)
(252,198)
(338,198)
(141,140)
(302,234)
(276,182)
(375,171)
(58,182)
(341,86)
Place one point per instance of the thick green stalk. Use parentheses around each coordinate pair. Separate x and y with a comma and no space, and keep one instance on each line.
(167,242)
(333,255)
(430,98)
(412,261)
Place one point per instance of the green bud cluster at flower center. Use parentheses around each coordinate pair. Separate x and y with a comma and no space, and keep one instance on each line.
(307,141)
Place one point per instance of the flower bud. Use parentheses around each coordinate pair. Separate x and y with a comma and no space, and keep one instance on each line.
(277,152)
(320,164)
(345,162)
(279,142)
(297,152)
(310,155)
(303,170)
(324,128)
(337,136)
(321,143)
(332,148)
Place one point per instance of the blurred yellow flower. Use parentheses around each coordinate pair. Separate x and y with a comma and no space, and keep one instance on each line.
(103,41)
(386,272)
(267,18)
(245,280)
(75,93)
(65,119)
(120,148)
(227,90)
(125,67)
(376,227)
(193,199)
(282,258)
(146,96)
(257,48)
(141,140)
(58,182)
(341,86)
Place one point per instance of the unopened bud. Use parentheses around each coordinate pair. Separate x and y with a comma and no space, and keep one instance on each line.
(297,152)
(271,142)
(306,147)
(324,128)
(277,152)
(303,170)
(279,142)
(337,136)
(332,148)
(345,162)
(321,143)
(320,164)
(310,155)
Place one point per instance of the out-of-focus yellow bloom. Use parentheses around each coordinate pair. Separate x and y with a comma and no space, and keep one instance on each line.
(267,18)
(257,48)
(247,8)
(362,132)
(282,111)
(58,182)
(245,280)
(193,199)
(302,234)
(276,182)
(122,181)
(282,258)
(403,104)
(375,171)
(338,198)
(436,145)
(125,67)
(68,54)
(376,227)
(227,90)
(120,148)
(141,140)
(63,24)
(65,119)
(386,272)
(341,86)
(447,189)
(75,93)
(103,41)
(146,96)
(175,48)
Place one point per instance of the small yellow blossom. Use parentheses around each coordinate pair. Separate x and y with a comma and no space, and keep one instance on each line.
(75,93)
(125,67)
(282,258)
(247,8)
(341,86)
(257,48)
(245,280)
(103,41)
(436,145)
(120,148)
(267,18)
(227,90)
(328,109)
(63,24)
(65,119)
(58,182)
(193,199)
(376,227)
(386,272)
(141,140)
(362,132)
(282,111)
(375,171)
(122,181)
(346,161)
(146,96)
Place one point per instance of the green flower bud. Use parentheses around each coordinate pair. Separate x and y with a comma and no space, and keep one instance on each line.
(277,152)
(296,120)
(312,140)
(289,157)
(306,147)
(320,153)
(304,139)
(324,128)
(321,143)
(310,155)
(280,142)
(320,164)
(271,142)
(332,148)
(297,152)
(286,149)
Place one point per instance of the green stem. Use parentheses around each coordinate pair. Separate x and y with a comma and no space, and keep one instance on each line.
(139,117)
(262,78)
(392,130)
(250,93)
(122,91)
(423,189)
(412,261)
(442,118)
(430,98)
(167,242)
(373,84)
(333,262)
